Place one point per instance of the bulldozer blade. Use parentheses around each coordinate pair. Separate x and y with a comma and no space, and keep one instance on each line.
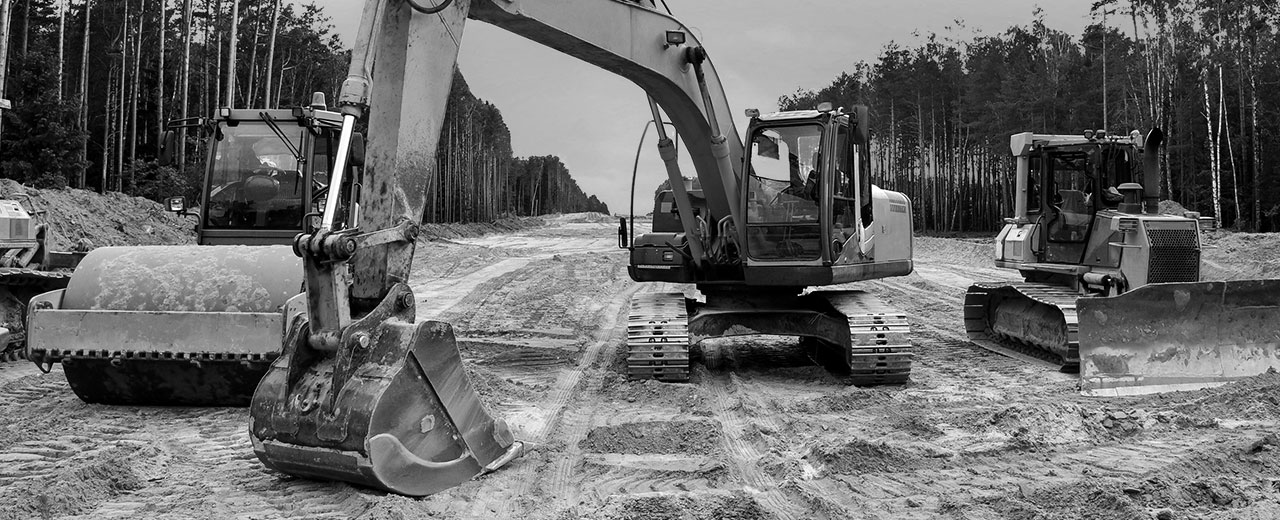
(392,409)
(1178,336)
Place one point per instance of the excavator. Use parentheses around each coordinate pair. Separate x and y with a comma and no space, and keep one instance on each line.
(365,393)
(199,325)
(1112,287)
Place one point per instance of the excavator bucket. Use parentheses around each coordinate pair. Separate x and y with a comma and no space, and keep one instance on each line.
(167,325)
(1178,336)
(391,408)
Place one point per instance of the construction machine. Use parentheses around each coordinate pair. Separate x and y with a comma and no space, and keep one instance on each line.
(199,325)
(809,216)
(1111,287)
(28,267)
(365,393)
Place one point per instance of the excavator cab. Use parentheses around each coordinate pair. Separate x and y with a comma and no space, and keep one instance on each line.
(199,325)
(812,215)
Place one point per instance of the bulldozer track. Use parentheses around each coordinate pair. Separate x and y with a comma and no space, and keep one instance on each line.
(658,337)
(977,319)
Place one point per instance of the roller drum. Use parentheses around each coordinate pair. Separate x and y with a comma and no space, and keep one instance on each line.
(169,325)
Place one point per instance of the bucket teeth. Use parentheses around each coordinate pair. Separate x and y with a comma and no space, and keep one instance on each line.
(398,414)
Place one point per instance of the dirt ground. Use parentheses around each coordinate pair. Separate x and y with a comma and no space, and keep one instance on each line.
(540,316)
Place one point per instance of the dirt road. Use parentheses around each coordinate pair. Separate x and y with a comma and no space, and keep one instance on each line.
(540,316)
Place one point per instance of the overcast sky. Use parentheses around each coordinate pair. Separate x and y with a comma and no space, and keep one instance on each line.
(592,120)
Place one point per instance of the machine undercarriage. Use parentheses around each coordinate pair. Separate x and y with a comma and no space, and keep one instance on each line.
(872,339)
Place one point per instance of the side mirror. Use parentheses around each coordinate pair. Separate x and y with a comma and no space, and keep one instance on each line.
(176,204)
(861,131)
(622,233)
(357,150)
(168,144)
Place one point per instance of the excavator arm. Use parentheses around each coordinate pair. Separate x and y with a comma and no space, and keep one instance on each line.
(363,391)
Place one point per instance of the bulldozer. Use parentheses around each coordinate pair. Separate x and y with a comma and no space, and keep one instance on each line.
(28,267)
(1111,287)
(199,325)
(366,393)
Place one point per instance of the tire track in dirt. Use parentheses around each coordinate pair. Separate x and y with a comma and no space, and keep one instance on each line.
(571,426)
(210,468)
(742,457)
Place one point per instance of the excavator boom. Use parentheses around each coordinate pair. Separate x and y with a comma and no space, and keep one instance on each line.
(367,392)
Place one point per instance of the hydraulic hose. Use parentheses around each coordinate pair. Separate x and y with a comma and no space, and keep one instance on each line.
(429,10)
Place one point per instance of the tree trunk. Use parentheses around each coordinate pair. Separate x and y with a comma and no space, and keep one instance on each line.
(271,55)
(253,57)
(233,41)
(1212,145)
(62,27)
(184,87)
(1224,128)
(84,97)
(161,28)
(137,83)
(121,101)
(4,46)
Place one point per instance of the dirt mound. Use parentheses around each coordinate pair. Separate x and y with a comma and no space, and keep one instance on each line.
(1256,398)
(453,230)
(736,505)
(1026,426)
(584,218)
(1169,207)
(113,219)
(859,456)
(77,488)
(672,437)
(1091,498)
(957,251)
(852,398)
(1229,255)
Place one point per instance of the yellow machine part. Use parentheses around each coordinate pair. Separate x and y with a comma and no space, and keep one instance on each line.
(167,325)
(1178,336)
(392,408)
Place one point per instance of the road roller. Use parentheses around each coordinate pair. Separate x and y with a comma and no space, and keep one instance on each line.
(199,325)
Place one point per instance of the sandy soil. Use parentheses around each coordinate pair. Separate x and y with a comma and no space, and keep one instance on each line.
(540,316)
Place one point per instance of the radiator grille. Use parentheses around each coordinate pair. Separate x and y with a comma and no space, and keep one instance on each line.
(1175,256)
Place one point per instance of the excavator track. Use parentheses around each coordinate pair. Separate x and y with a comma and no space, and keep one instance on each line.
(17,286)
(658,337)
(1029,321)
(879,352)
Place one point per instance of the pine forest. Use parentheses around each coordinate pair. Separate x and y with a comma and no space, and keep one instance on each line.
(93,84)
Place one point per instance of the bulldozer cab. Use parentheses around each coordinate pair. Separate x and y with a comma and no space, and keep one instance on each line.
(267,174)
(1069,185)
